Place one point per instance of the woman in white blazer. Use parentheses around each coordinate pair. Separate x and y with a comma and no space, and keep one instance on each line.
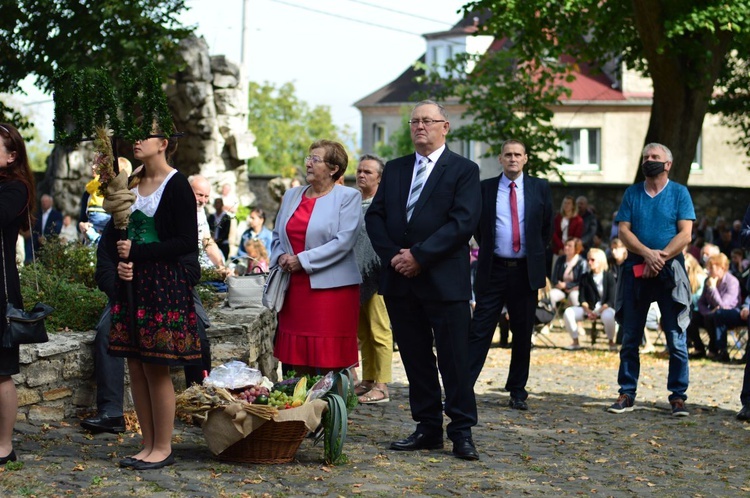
(316,230)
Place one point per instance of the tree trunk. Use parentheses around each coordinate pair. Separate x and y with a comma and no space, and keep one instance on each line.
(683,82)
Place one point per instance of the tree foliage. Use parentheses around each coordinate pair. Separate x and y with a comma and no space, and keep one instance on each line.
(687,47)
(40,37)
(285,126)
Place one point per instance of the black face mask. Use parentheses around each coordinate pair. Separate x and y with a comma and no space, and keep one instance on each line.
(652,168)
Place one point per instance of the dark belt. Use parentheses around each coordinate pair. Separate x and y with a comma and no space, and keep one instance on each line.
(509,262)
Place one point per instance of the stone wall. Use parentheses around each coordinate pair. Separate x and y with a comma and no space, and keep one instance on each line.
(57,378)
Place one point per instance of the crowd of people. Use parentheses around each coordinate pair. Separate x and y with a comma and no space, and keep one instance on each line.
(387,261)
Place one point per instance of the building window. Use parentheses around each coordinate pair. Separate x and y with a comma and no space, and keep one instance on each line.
(697,164)
(583,148)
(378,134)
(465,148)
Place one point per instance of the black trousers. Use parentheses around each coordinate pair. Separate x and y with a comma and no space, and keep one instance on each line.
(698,321)
(745,393)
(417,323)
(509,286)
(110,370)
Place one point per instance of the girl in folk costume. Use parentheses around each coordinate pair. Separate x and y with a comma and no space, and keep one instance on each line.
(161,242)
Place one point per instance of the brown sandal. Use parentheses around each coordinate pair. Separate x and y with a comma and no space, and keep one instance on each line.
(362,388)
(369,399)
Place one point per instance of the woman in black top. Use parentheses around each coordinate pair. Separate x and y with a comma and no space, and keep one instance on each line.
(16,198)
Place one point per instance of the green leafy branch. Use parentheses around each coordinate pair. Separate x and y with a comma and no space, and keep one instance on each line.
(89,99)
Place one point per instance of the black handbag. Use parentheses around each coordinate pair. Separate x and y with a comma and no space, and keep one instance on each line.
(23,327)
(26,327)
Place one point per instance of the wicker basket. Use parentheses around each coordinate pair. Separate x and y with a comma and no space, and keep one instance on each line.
(272,442)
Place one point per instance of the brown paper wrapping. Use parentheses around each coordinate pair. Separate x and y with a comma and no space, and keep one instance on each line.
(227,425)
(118,200)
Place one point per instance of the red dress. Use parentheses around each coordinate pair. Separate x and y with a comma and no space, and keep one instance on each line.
(317,327)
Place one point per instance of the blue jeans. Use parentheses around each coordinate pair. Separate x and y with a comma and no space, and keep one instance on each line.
(637,297)
(99,220)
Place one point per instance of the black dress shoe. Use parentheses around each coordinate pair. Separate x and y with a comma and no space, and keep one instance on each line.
(517,404)
(141,465)
(10,457)
(127,462)
(418,441)
(103,423)
(744,414)
(464,449)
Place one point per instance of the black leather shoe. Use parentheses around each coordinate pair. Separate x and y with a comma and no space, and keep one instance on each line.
(10,457)
(744,414)
(103,423)
(127,462)
(141,465)
(418,441)
(464,449)
(518,404)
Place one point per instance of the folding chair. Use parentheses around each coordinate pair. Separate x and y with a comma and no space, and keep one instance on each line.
(736,342)
(539,339)
(594,331)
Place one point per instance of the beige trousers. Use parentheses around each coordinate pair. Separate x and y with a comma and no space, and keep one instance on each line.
(375,340)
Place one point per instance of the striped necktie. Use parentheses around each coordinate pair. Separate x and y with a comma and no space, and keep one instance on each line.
(416,187)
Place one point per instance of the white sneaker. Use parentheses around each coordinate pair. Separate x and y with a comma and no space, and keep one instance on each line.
(648,349)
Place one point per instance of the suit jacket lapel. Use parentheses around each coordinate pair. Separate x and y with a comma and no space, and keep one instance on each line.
(491,207)
(527,195)
(432,181)
(406,171)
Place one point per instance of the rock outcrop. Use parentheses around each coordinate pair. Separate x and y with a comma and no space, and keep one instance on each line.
(208,99)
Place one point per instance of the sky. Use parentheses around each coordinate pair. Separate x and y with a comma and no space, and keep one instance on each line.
(334,51)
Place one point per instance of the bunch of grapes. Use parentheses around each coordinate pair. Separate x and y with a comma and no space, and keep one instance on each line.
(279,400)
(249,395)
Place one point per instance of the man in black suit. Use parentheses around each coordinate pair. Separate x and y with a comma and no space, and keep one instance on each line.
(420,223)
(49,223)
(514,230)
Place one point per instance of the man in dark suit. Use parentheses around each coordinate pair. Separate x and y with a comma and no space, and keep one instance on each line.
(514,230)
(420,223)
(49,223)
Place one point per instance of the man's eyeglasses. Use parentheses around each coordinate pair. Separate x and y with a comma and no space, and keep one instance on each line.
(426,122)
(314,160)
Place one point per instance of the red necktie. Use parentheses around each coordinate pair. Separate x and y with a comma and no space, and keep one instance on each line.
(514,218)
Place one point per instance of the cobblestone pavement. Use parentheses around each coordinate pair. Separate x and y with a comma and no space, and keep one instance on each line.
(565,445)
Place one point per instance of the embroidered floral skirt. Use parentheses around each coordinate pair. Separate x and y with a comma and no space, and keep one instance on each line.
(165,329)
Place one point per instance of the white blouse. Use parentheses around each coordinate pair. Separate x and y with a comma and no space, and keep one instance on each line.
(150,203)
